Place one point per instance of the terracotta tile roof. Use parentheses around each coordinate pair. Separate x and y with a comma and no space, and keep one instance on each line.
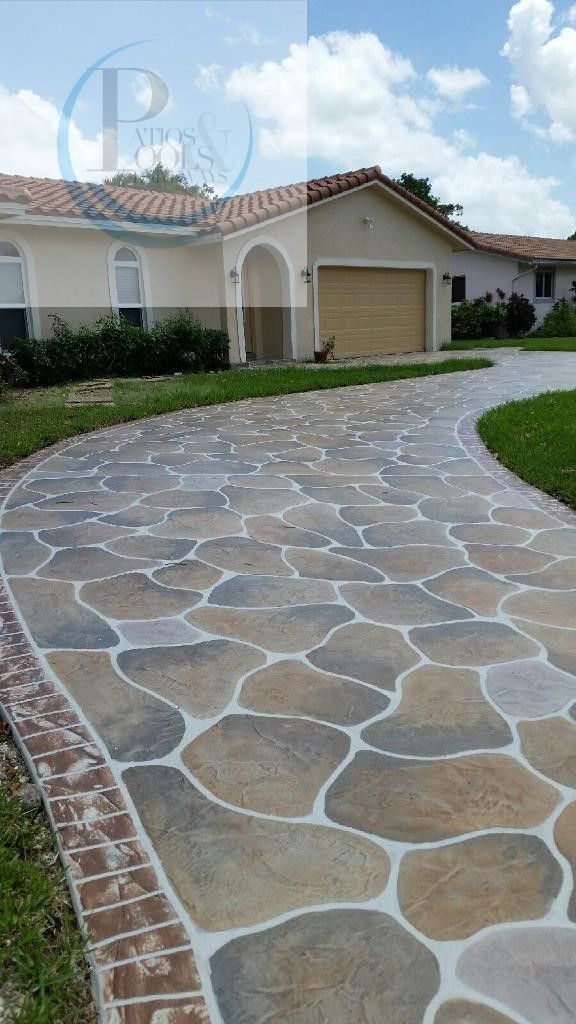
(53,198)
(524,247)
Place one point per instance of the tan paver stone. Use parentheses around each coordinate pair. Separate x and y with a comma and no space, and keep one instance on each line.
(146,546)
(273,530)
(490,533)
(91,563)
(527,518)
(262,502)
(554,608)
(190,574)
(341,966)
(90,532)
(472,643)
(565,836)
(472,588)
(559,576)
(530,689)
(442,711)
(199,678)
(454,891)
(135,517)
(425,484)
(271,765)
(20,552)
(558,643)
(529,970)
(334,495)
(292,688)
(555,542)
(325,521)
(460,1011)
(372,654)
(400,604)
(370,515)
(181,499)
(284,865)
(506,559)
(326,565)
(55,619)
(135,596)
(550,746)
(389,535)
(32,518)
(414,801)
(285,630)
(239,554)
(135,726)
(412,563)
(270,592)
(95,501)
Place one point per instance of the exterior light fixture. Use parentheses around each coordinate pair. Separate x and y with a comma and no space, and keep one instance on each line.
(447,278)
(369,222)
(306,275)
(235,275)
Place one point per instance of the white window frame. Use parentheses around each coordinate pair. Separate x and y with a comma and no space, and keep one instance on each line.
(30,304)
(143,282)
(545,270)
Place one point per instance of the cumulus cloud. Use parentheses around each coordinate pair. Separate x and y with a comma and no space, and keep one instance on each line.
(543,60)
(209,78)
(349,100)
(454,84)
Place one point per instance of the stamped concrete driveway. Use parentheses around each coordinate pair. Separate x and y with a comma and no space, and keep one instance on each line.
(327,647)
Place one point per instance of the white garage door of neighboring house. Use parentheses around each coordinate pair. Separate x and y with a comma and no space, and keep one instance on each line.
(372,310)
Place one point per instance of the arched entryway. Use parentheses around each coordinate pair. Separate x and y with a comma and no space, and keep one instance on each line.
(266,306)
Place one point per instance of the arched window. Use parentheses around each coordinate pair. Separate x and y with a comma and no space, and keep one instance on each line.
(128,286)
(14,318)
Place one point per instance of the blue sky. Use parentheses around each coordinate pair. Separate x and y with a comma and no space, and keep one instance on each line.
(482,98)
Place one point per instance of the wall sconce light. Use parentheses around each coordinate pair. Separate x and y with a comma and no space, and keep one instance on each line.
(369,222)
(447,278)
(306,275)
(235,275)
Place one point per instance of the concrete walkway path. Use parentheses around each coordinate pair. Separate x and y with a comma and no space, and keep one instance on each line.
(298,677)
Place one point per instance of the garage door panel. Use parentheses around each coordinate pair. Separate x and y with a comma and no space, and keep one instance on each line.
(372,310)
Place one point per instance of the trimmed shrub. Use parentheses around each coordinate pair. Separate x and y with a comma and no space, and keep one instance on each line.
(519,316)
(474,319)
(112,347)
(11,375)
(560,322)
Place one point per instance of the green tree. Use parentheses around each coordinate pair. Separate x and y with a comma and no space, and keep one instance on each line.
(160,179)
(572,238)
(422,188)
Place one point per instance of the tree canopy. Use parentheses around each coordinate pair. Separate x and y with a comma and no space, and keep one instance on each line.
(160,179)
(422,188)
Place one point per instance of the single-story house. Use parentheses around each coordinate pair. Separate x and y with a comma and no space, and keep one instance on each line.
(542,269)
(351,256)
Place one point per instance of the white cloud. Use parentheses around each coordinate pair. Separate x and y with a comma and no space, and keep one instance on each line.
(454,84)
(28,130)
(544,64)
(209,78)
(347,99)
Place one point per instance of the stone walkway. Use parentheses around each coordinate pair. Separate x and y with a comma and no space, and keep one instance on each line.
(298,676)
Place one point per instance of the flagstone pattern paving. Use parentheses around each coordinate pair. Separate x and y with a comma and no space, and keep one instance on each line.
(298,679)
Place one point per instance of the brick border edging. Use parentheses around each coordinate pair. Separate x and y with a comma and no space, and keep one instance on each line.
(467,432)
(128,918)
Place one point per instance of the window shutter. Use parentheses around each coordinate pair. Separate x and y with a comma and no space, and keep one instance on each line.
(128,286)
(11,284)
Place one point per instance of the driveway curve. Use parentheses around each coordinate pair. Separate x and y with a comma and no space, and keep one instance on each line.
(298,679)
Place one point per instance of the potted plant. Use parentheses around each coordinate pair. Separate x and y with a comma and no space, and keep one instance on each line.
(327,350)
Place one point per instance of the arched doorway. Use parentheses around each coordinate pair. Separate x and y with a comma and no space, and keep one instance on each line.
(266,312)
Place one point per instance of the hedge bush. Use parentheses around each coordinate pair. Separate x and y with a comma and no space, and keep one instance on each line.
(560,322)
(519,316)
(112,347)
(474,319)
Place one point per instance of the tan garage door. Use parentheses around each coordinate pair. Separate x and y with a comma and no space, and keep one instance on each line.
(372,310)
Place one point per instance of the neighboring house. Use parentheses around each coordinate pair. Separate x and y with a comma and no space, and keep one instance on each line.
(542,269)
(352,256)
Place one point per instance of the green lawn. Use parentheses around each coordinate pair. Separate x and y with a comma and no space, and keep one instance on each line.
(30,420)
(43,972)
(536,438)
(529,344)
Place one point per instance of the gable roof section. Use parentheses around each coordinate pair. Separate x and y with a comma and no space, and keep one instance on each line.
(48,197)
(525,248)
